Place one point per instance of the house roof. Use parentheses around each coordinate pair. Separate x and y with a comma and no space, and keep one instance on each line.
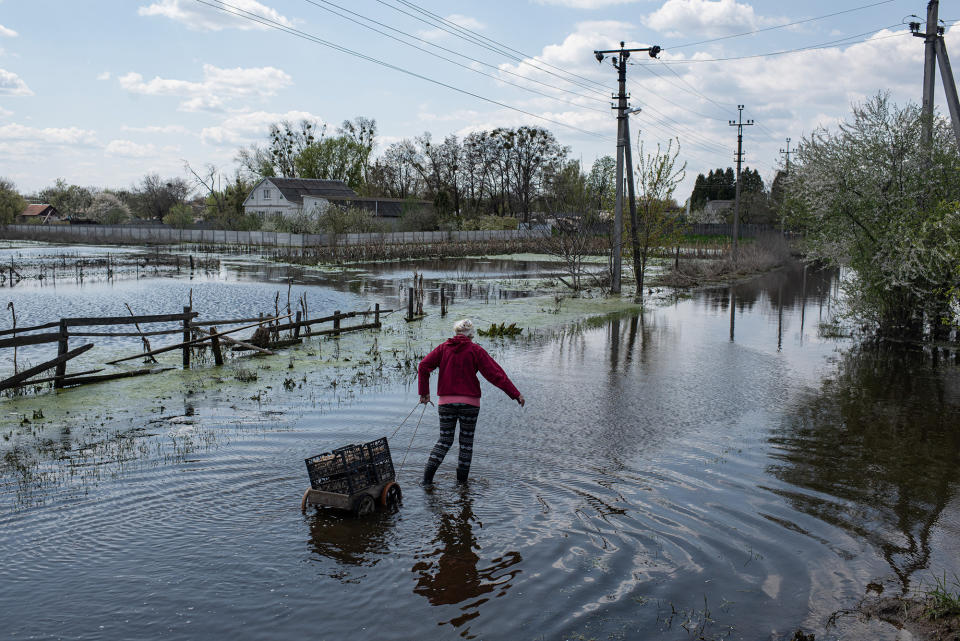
(294,189)
(38,210)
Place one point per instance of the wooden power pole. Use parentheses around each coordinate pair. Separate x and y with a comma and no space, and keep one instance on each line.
(623,153)
(786,152)
(739,124)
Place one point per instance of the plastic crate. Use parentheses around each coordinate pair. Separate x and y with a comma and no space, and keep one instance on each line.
(352,468)
(378,453)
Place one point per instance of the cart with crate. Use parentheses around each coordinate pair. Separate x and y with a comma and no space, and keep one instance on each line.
(355,477)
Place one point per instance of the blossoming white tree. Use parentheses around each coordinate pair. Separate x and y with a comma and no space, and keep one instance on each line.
(871,196)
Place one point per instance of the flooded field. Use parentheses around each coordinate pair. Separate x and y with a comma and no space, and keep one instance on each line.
(711,468)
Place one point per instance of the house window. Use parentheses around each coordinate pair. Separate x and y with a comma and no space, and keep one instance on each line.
(266,194)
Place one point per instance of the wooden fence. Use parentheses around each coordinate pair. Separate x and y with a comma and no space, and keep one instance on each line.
(195,333)
(166,235)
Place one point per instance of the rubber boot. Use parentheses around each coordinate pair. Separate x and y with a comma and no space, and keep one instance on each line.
(428,473)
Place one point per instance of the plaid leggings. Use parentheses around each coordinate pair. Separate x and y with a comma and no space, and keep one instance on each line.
(450,413)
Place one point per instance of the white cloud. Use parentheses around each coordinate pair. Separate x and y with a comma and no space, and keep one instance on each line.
(12,85)
(157,129)
(130,149)
(218,85)
(104,76)
(447,116)
(201,17)
(49,135)
(249,127)
(575,55)
(460,20)
(5,113)
(9,33)
(697,108)
(708,18)
(585,4)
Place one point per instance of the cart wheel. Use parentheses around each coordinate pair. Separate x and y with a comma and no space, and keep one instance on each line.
(303,501)
(391,495)
(364,505)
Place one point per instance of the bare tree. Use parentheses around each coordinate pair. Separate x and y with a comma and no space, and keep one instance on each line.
(578,232)
(657,222)
(155,196)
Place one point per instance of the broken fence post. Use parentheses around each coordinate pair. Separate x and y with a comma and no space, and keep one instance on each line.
(215,345)
(62,349)
(186,336)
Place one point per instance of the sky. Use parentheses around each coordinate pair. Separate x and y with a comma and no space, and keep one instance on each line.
(103,92)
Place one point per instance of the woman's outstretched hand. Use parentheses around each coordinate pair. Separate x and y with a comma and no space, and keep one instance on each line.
(424,398)
(521,400)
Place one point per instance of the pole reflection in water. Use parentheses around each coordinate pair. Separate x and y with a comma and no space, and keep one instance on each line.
(780,319)
(733,311)
(803,302)
(453,573)
(855,451)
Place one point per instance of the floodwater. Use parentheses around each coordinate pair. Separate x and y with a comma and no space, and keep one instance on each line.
(234,287)
(711,469)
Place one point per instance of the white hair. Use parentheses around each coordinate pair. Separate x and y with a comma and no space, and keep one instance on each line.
(464,327)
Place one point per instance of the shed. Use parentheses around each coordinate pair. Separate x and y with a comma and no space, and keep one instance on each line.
(39,214)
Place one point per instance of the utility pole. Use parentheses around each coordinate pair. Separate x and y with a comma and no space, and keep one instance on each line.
(620,64)
(935,51)
(739,124)
(787,153)
(929,67)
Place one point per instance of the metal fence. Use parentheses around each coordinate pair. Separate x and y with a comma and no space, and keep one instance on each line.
(726,229)
(166,235)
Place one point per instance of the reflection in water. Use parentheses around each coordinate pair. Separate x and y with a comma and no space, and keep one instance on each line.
(780,319)
(452,574)
(877,449)
(350,541)
(733,312)
(791,288)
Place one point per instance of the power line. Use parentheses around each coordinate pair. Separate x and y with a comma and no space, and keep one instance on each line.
(442,48)
(649,69)
(674,72)
(505,46)
(679,128)
(672,132)
(477,39)
(822,45)
(453,62)
(247,15)
(765,130)
(780,26)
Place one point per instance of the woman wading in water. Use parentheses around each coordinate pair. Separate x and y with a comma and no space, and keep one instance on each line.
(459,360)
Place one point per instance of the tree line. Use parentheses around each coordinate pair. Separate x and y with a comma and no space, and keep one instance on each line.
(508,172)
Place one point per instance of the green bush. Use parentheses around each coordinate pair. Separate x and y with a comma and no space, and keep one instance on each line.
(11,203)
(180,216)
(332,220)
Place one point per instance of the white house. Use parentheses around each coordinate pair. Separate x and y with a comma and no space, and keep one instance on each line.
(714,211)
(288,196)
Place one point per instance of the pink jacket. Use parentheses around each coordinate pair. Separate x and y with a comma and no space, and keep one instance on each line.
(459,360)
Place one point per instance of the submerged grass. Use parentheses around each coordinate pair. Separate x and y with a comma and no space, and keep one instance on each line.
(943,600)
(768,252)
(65,443)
